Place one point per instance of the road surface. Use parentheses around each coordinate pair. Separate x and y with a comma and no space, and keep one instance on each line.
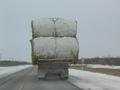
(27,80)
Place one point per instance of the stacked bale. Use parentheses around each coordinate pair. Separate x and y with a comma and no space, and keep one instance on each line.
(50,27)
(54,38)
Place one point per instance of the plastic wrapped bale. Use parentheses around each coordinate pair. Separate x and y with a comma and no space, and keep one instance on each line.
(66,27)
(44,47)
(50,27)
(67,48)
(42,28)
(56,48)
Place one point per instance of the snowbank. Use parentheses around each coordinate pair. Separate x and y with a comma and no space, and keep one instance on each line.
(5,71)
(94,81)
(102,66)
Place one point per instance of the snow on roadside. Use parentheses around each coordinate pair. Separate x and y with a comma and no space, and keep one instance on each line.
(94,81)
(5,71)
(102,66)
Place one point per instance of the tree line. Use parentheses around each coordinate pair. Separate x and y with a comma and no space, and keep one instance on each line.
(103,60)
(13,63)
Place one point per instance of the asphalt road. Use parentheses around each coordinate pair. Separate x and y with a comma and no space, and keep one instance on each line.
(27,80)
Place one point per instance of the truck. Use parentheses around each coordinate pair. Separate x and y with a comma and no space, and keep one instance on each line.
(54,46)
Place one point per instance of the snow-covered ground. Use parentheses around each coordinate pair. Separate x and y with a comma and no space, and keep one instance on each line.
(94,81)
(5,71)
(84,79)
(102,66)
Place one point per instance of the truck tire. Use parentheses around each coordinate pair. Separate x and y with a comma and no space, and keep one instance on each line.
(64,78)
(64,74)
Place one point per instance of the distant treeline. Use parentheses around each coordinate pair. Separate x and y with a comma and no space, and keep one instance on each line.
(103,61)
(13,63)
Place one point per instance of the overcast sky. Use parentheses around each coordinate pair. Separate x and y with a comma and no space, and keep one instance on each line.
(98,25)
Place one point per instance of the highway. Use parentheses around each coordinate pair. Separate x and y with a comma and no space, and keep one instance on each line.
(27,80)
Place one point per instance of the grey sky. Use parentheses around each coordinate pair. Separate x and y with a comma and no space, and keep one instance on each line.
(98,25)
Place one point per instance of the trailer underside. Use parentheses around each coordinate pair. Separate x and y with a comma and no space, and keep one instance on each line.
(53,68)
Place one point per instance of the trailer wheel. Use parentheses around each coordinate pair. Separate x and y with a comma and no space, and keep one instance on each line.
(64,75)
(63,78)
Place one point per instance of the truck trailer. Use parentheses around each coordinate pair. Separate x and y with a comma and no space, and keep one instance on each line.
(54,46)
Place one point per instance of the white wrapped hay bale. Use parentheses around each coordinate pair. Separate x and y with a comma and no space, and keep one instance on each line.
(43,27)
(67,48)
(56,48)
(50,27)
(66,27)
(44,47)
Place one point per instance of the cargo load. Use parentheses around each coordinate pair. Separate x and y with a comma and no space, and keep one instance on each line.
(56,48)
(66,28)
(44,47)
(42,28)
(67,48)
(54,27)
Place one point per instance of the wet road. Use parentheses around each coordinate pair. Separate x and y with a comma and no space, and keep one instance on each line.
(27,80)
